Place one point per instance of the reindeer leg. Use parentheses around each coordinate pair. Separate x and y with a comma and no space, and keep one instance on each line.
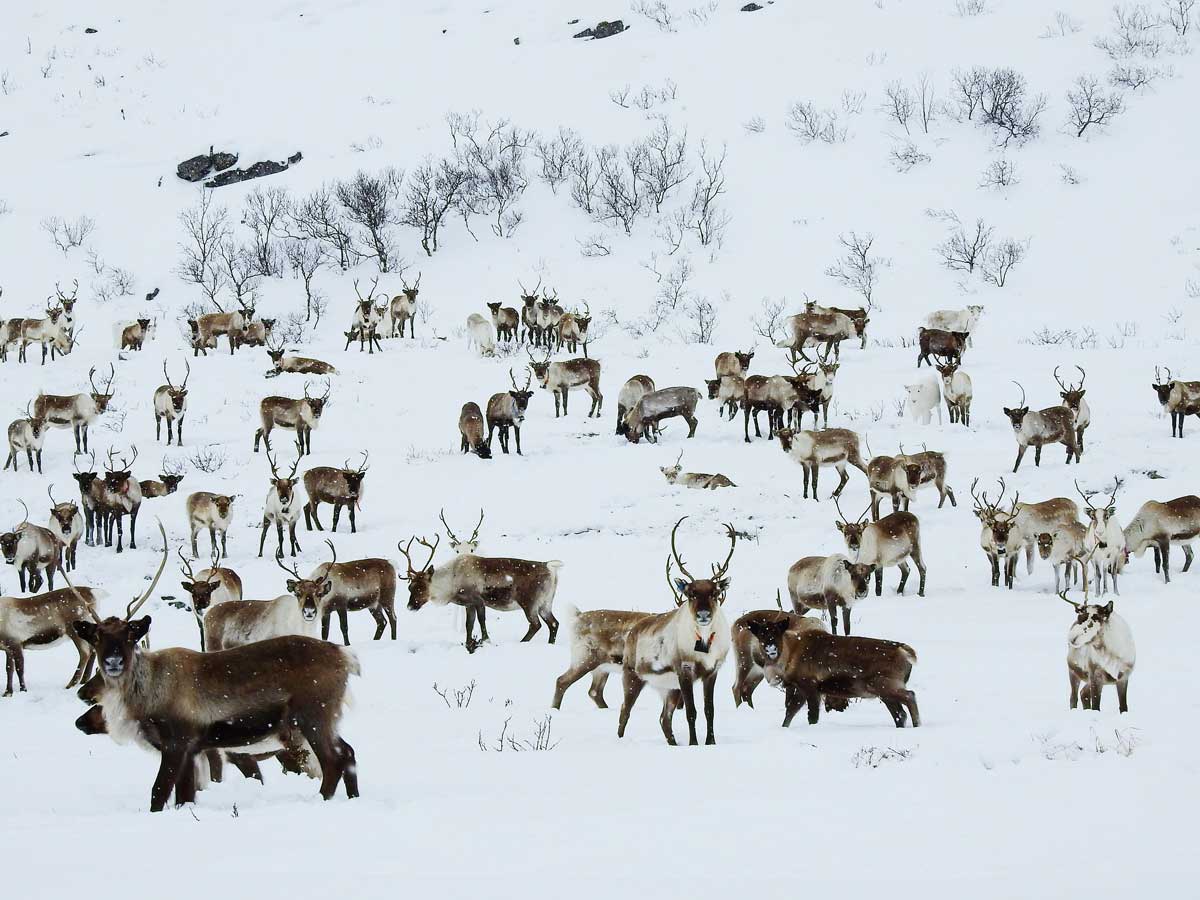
(792,702)
(1074,699)
(904,570)
(1165,548)
(671,702)
(315,519)
(278,532)
(517,430)
(8,670)
(1187,556)
(174,754)
(879,581)
(710,686)
(471,613)
(572,675)
(843,477)
(1122,694)
(353,523)
(337,512)
(325,624)
(380,622)
(263,539)
(633,687)
(1020,456)
(344,623)
(596,691)
(157,427)
(1037,455)
(846,610)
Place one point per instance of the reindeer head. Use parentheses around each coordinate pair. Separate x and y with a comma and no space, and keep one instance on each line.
(53,314)
(1000,522)
(419,580)
(201,591)
(1071,394)
(860,325)
(786,437)
(744,359)
(1045,544)
(283,485)
(459,546)
(672,473)
(116,477)
(852,532)
(310,593)
(276,358)
(85,479)
(102,397)
(541,368)
(1100,516)
(37,424)
(1017,414)
(828,369)
(67,303)
(584,319)
(144,324)
(62,514)
(521,397)
(494,307)
(115,640)
(317,404)
(770,635)
(912,471)
(1090,620)
(224,504)
(411,291)
(353,476)
(178,395)
(714,387)
(171,481)
(1163,386)
(946,369)
(860,577)
(975,310)
(530,298)
(702,596)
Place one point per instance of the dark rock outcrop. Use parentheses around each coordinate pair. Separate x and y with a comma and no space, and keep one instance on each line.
(258,170)
(602,30)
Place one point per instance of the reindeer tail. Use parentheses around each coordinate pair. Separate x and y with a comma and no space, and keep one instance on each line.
(352,663)
(909,652)
(570,619)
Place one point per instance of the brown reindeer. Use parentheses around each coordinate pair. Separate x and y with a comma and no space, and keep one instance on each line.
(697,480)
(257,333)
(559,377)
(728,391)
(479,583)
(209,587)
(733,362)
(167,482)
(1052,425)
(299,365)
(28,548)
(673,650)
(27,435)
(888,542)
(507,410)
(42,621)
(133,336)
(752,663)
(234,623)
(1159,525)
(529,313)
(340,487)
(573,330)
(470,430)
(120,496)
(76,411)
(827,583)
(403,308)
(631,392)
(817,328)
(66,524)
(652,408)
(170,403)
(505,320)
(273,693)
(210,326)
(206,510)
(49,332)
(1180,398)
(935,342)
(597,648)
(835,447)
(301,416)
(813,663)
(281,508)
(926,467)
(356,585)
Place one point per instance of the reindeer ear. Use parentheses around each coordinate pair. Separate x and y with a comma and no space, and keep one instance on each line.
(849,566)
(681,584)
(840,526)
(326,587)
(139,628)
(1108,609)
(291,585)
(85,630)
(187,586)
(723,587)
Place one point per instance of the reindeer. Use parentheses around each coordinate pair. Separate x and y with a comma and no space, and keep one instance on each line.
(235,623)
(299,365)
(888,542)
(597,648)
(91,491)
(76,411)
(280,508)
(1072,397)
(10,333)
(505,320)
(956,388)
(647,415)
(167,482)
(733,362)
(480,583)
(200,344)
(49,332)
(301,416)
(42,621)
(860,316)
(30,547)
(120,495)
(944,344)
(813,662)
(1052,425)
(29,435)
(1105,537)
(923,398)
(66,524)
(1005,532)
(803,390)
(210,326)
(728,391)
(211,587)
(68,305)
(926,467)
(960,320)
(1066,548)
(559,377)
(529,313)
(752,663)
(812,329)
(631,392)
(170,403)
(758,397)
(359,584)
(1100,651)
(339,487)
(212,511)
(672,650)
(1159,525)
(282,692)
(470,429)
(368,334)
(403,309)
(887,476)
(826,583)
(507,410)
(1179,398)
(698,480)
(573,329)
(133,336)
(549,315)
(832,447)
(366,318)
(257,333)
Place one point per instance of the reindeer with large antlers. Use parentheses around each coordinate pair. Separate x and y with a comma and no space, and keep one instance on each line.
(403,308)
(76,411)
(281,692)
(120,496)
(66,524)
(1072,399)
(234,623)
(68,305)
(170,403)
(549,315)
(1052,425)
(458,546)
(365,324)
(50,332)
(479,583)
(1179,398)
(91,490)
(529,313)
(340,487)
(282,507)
(671,651)
(300,416)
(1005,532)
(889,541)
(26,435)
(506,410)
(356,585)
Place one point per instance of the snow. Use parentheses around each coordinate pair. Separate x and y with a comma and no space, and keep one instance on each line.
(1004,789)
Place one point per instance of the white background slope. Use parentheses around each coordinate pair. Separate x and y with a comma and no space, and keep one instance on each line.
(1004,791)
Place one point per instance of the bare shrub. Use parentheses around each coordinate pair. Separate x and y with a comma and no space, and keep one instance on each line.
(432,191)
(594,245)
(121,281)
(371,202)
(769,323)
(1135,76)
(1000,260)
(810,124)
(898,104)
(1091,105)
(585,179)
(556,156)
(1063,25)
(209,458)
(968,8)
(1178,14)
(265,213)
(700,15)
(657,12)
(620,179)
(620,96)
(858,268)
(1002,100)
(665,152)
(493,156)
(1000,173)
(237,266)
(1068,174)
(701,321)
(541,740)
(907,156)
(755,125)
(874,757)
(963,251)
(205,228)
(1136,32)
(707,218)
(7,85)
(67,235)
(320,218)
(305,258)
(461,696)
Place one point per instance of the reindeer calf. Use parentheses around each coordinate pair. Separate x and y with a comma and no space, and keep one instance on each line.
(597,648)
(826,583)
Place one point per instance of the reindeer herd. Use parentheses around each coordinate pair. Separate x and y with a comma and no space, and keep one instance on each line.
(267,684)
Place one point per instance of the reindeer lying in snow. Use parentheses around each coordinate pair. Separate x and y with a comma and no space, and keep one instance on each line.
(698,480)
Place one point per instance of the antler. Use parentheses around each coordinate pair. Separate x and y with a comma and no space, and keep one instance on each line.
(187,374)
(332,562)
(675,553)
(424,543)
(362,467)
(292,571)
(26,519)
(187,566)
(1087,498)
(271,463)
(167,376)
(446,525)
(1059,380)
(719,571)
(50,492)
(478,525)
(679,458)
(135,605)
(84,602)
(1062,595)
(92,456)
(1018,384)
(74,291)
(1082,377)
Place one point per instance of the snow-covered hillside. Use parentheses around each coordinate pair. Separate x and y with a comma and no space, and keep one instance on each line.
(1002,790)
